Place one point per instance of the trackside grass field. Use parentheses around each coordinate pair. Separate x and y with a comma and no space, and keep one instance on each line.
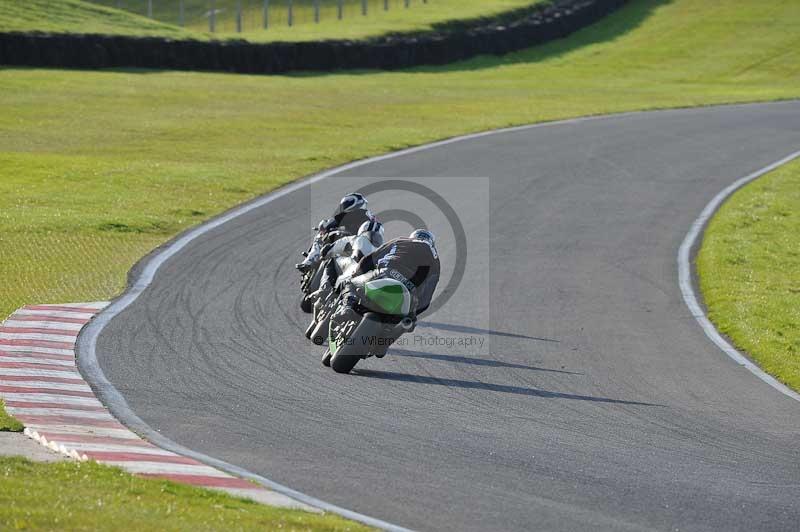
(749,268)
(101,16)
(88,496)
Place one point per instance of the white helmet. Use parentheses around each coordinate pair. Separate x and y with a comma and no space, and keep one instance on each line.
(352,201)
(425,236)
(373,230)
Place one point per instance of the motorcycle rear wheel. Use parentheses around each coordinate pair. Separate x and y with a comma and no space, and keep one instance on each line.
(348,355)
(344,362)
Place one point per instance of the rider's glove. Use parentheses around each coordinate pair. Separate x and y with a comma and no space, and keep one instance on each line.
(326,225)
(325,250)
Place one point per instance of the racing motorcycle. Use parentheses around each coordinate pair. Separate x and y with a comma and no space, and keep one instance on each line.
(366,321)
(310,278)
(323,308)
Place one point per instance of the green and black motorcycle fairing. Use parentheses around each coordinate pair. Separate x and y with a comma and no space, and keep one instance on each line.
(367,321)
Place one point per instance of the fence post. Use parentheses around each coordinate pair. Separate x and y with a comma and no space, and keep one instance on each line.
(340,9)
(180,13)
(266,14)
(386,5)
(238,16)
(149,8)
(364,7)
(407,3)
(212,17)
(316,11)
(290,16)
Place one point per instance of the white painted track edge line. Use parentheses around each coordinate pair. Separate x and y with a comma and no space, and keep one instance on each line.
(686,280)
(87,340)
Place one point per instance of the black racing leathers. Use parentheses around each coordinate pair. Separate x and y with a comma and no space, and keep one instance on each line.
(351,221)
(413,259)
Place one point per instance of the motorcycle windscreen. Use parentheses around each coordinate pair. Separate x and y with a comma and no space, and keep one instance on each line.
(388,296)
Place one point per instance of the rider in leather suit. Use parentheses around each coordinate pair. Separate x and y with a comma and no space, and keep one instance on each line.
(413,261)
(351,214)
(368,239)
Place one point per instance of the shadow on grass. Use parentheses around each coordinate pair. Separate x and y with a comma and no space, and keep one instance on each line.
(615,25)
(488,386)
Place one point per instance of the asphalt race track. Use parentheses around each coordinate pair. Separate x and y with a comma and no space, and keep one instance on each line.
(595,401)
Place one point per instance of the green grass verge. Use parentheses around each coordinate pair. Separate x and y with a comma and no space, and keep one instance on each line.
(7,422)
(749,269)
(87,496)
(101,16)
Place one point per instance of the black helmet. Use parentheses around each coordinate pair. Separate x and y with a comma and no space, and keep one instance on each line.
(424,235)
(373,230)
(352,201)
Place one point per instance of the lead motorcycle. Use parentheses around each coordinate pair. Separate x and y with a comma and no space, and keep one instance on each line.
(325,305)
(310,277)
(366,321)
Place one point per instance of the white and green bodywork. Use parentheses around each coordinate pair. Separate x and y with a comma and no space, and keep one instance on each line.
(384,296)
(387,296)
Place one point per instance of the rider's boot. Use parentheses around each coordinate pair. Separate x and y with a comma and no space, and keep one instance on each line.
(320,293)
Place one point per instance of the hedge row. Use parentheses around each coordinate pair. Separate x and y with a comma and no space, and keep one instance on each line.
(531,26)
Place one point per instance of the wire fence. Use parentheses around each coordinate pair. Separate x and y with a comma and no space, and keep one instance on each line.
(228,16)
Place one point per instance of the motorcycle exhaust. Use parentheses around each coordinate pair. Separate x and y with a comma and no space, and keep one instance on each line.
(319,333)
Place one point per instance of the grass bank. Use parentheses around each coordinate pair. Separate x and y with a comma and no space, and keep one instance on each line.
(749,269)
(101,16)
(88,496)
(68,16)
